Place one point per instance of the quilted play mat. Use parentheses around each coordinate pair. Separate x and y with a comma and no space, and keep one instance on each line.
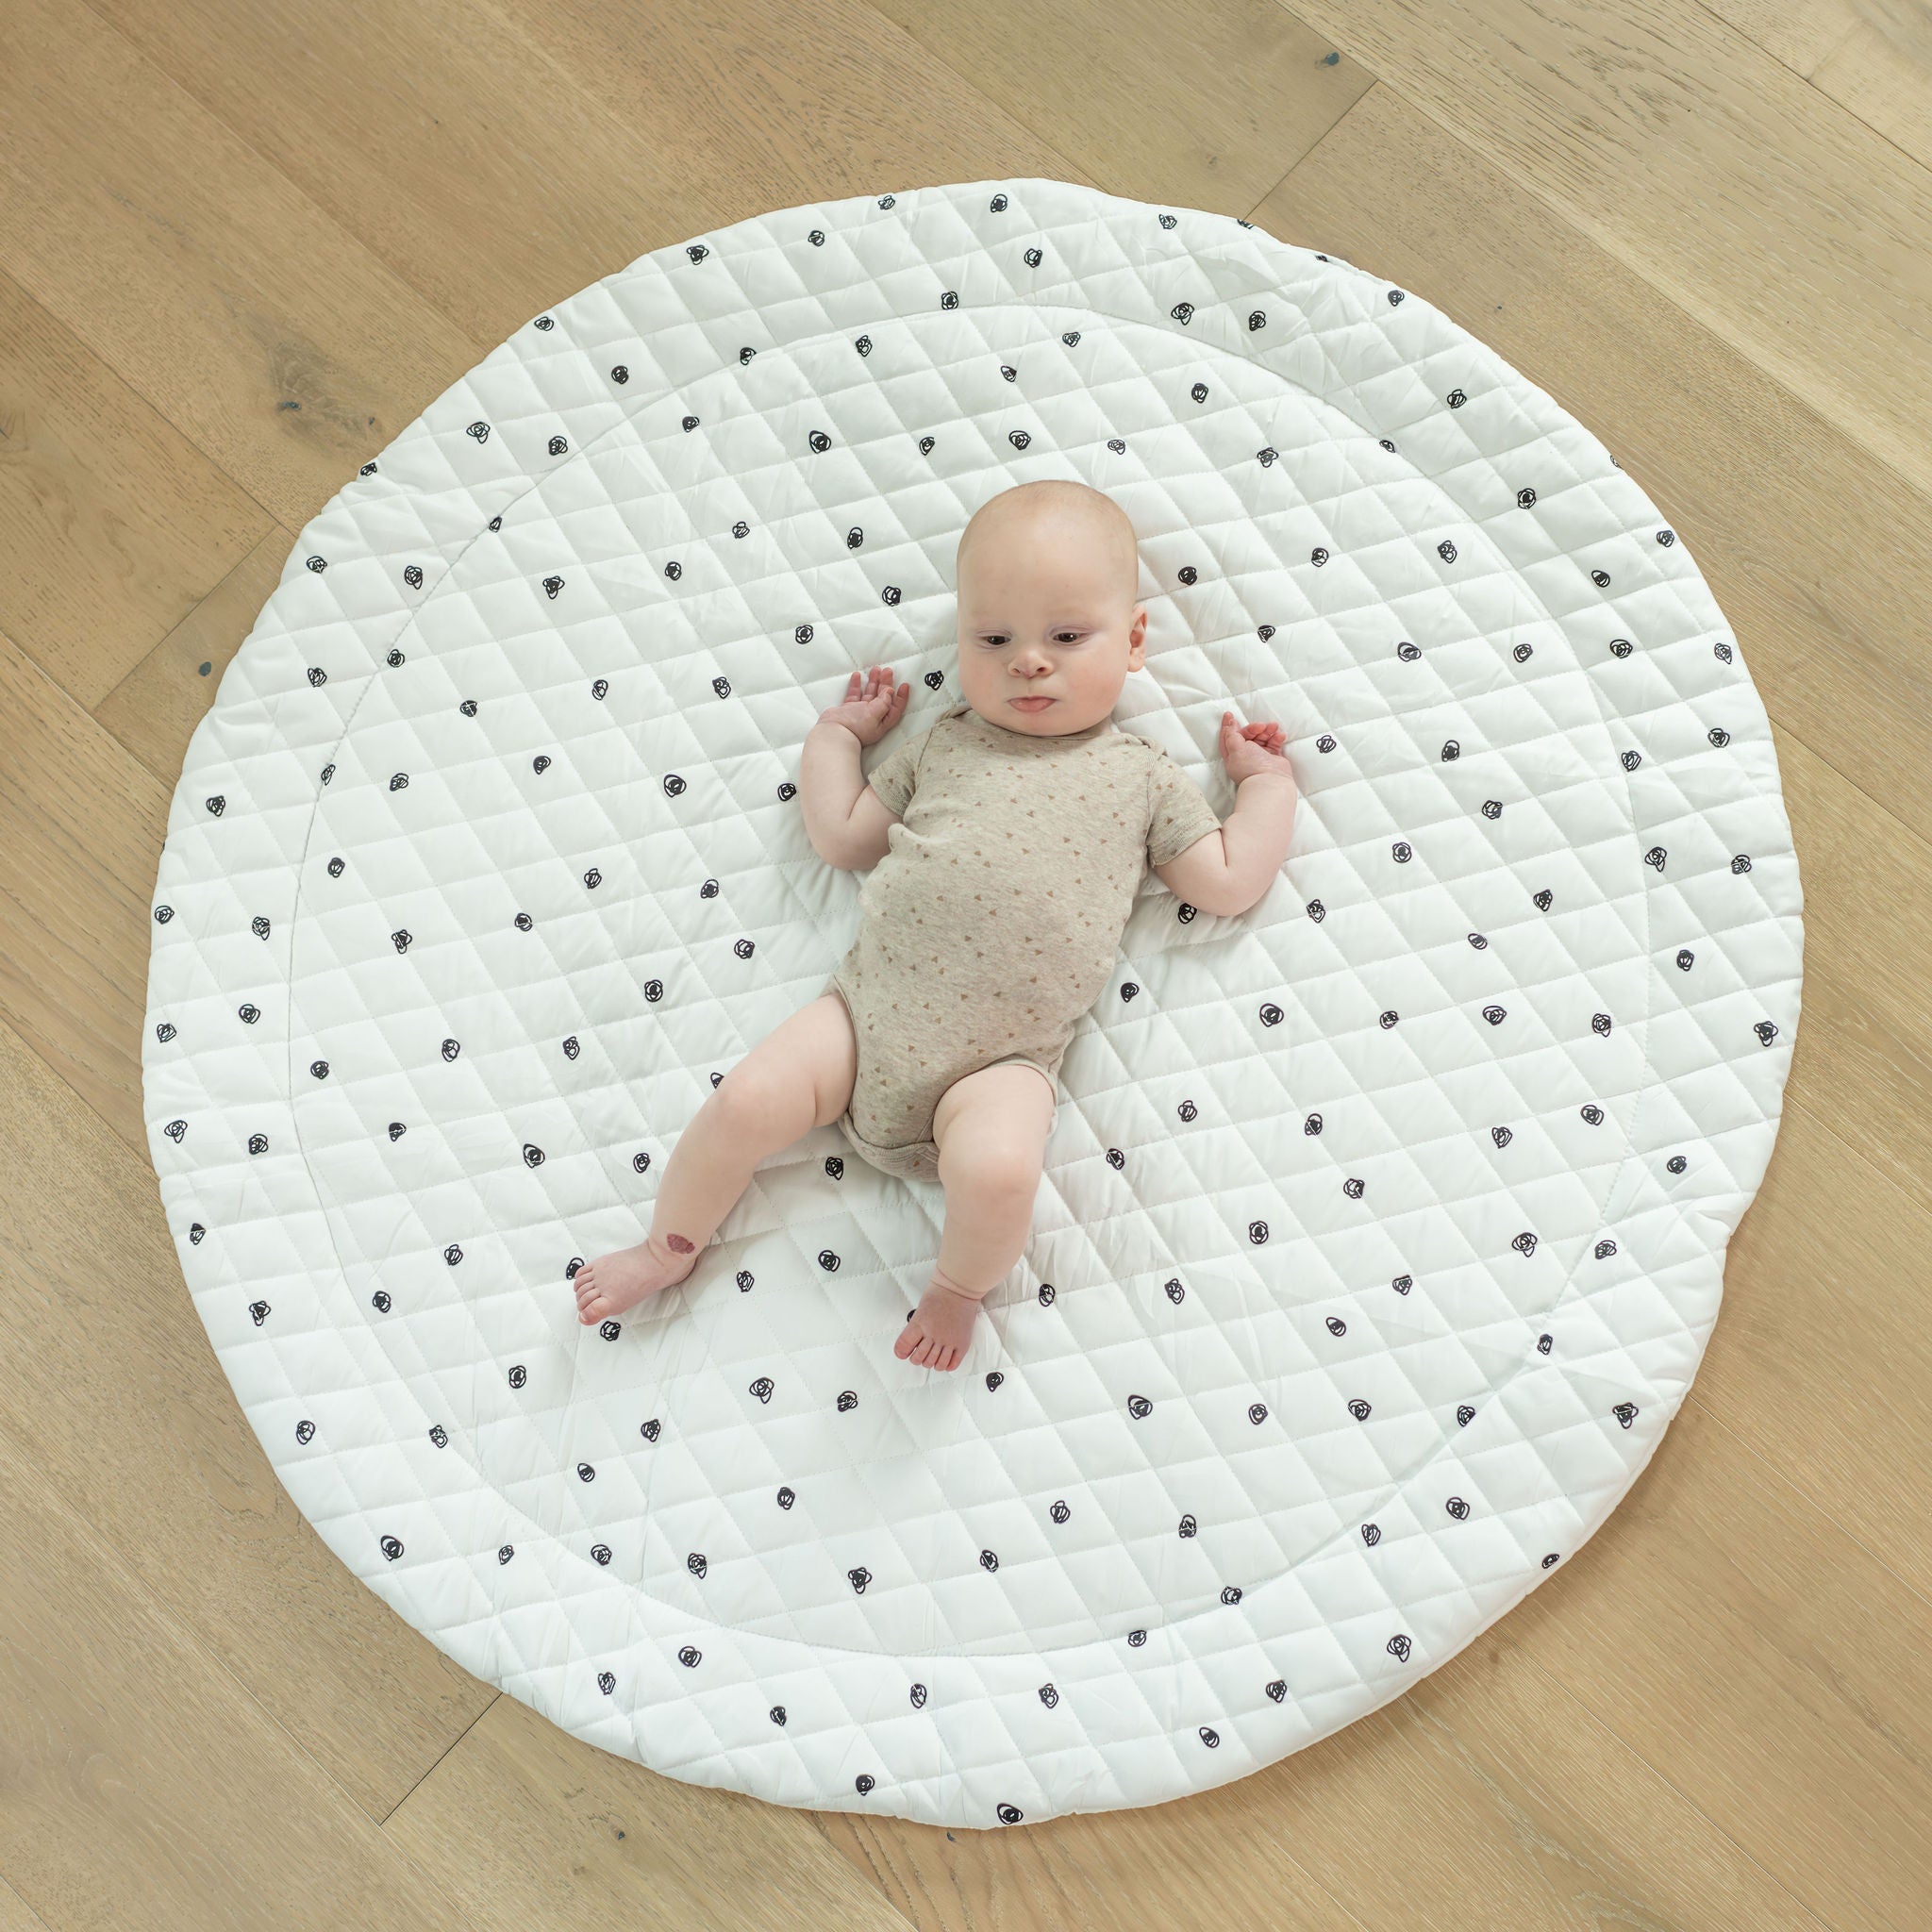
(1383,1226)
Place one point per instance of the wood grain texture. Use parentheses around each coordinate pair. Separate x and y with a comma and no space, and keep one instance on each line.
(122,523)
(1756,203)
(1872,57)
(139,1784)
(153,710)
(16,1915)
(585,133)
(206,280)
(82,824)
(1204,107)
(1702,228)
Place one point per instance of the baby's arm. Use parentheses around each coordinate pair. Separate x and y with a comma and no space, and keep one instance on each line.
(1229,871)
(845,817)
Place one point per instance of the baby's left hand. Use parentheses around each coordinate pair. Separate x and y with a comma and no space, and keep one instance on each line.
(1248,750)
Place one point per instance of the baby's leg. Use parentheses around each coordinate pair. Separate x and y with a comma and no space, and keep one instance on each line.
(990,1129)
(797,1077)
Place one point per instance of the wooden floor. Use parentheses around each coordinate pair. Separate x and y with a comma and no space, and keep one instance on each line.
(244,242)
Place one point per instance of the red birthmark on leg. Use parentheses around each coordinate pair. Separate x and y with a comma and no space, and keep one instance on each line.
(677,1244)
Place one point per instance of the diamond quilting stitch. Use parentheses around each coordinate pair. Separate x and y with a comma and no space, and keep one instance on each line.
(704,675)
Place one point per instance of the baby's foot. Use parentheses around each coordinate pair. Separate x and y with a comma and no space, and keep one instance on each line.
(620,1280)
(937,1331)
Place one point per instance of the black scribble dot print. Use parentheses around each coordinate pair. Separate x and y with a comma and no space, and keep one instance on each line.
(1192,1059)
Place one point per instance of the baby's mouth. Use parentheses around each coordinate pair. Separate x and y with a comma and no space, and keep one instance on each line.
(1031,701)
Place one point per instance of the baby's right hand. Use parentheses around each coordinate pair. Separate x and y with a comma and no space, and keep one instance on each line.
(871,706)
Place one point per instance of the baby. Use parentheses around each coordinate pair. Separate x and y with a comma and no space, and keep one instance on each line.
(1009,839)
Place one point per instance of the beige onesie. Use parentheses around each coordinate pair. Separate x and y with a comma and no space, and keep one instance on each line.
(993,921)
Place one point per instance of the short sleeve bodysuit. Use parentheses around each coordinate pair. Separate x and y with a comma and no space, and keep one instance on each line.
(992,922)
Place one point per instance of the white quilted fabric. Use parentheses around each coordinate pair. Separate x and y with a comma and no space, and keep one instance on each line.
(1383,1226)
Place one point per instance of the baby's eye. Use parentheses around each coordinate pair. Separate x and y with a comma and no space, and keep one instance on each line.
(1066,637)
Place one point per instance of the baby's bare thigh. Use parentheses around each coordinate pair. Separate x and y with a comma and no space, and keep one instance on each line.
(990,1126)
(811,1058)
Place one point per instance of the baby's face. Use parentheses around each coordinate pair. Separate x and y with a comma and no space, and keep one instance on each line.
(1048,627)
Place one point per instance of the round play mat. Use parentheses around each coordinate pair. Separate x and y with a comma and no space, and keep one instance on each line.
(1383,1226)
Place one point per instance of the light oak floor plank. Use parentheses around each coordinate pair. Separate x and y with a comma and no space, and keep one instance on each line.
(210,284)
(114,524)
(1872,57)
(16,1915)
(1206,107)
(82,826)
(601,142)
(1623,114)
(782,103)
(138,1784)
(154,709)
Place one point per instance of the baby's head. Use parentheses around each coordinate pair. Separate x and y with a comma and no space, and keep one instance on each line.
(1049,607)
